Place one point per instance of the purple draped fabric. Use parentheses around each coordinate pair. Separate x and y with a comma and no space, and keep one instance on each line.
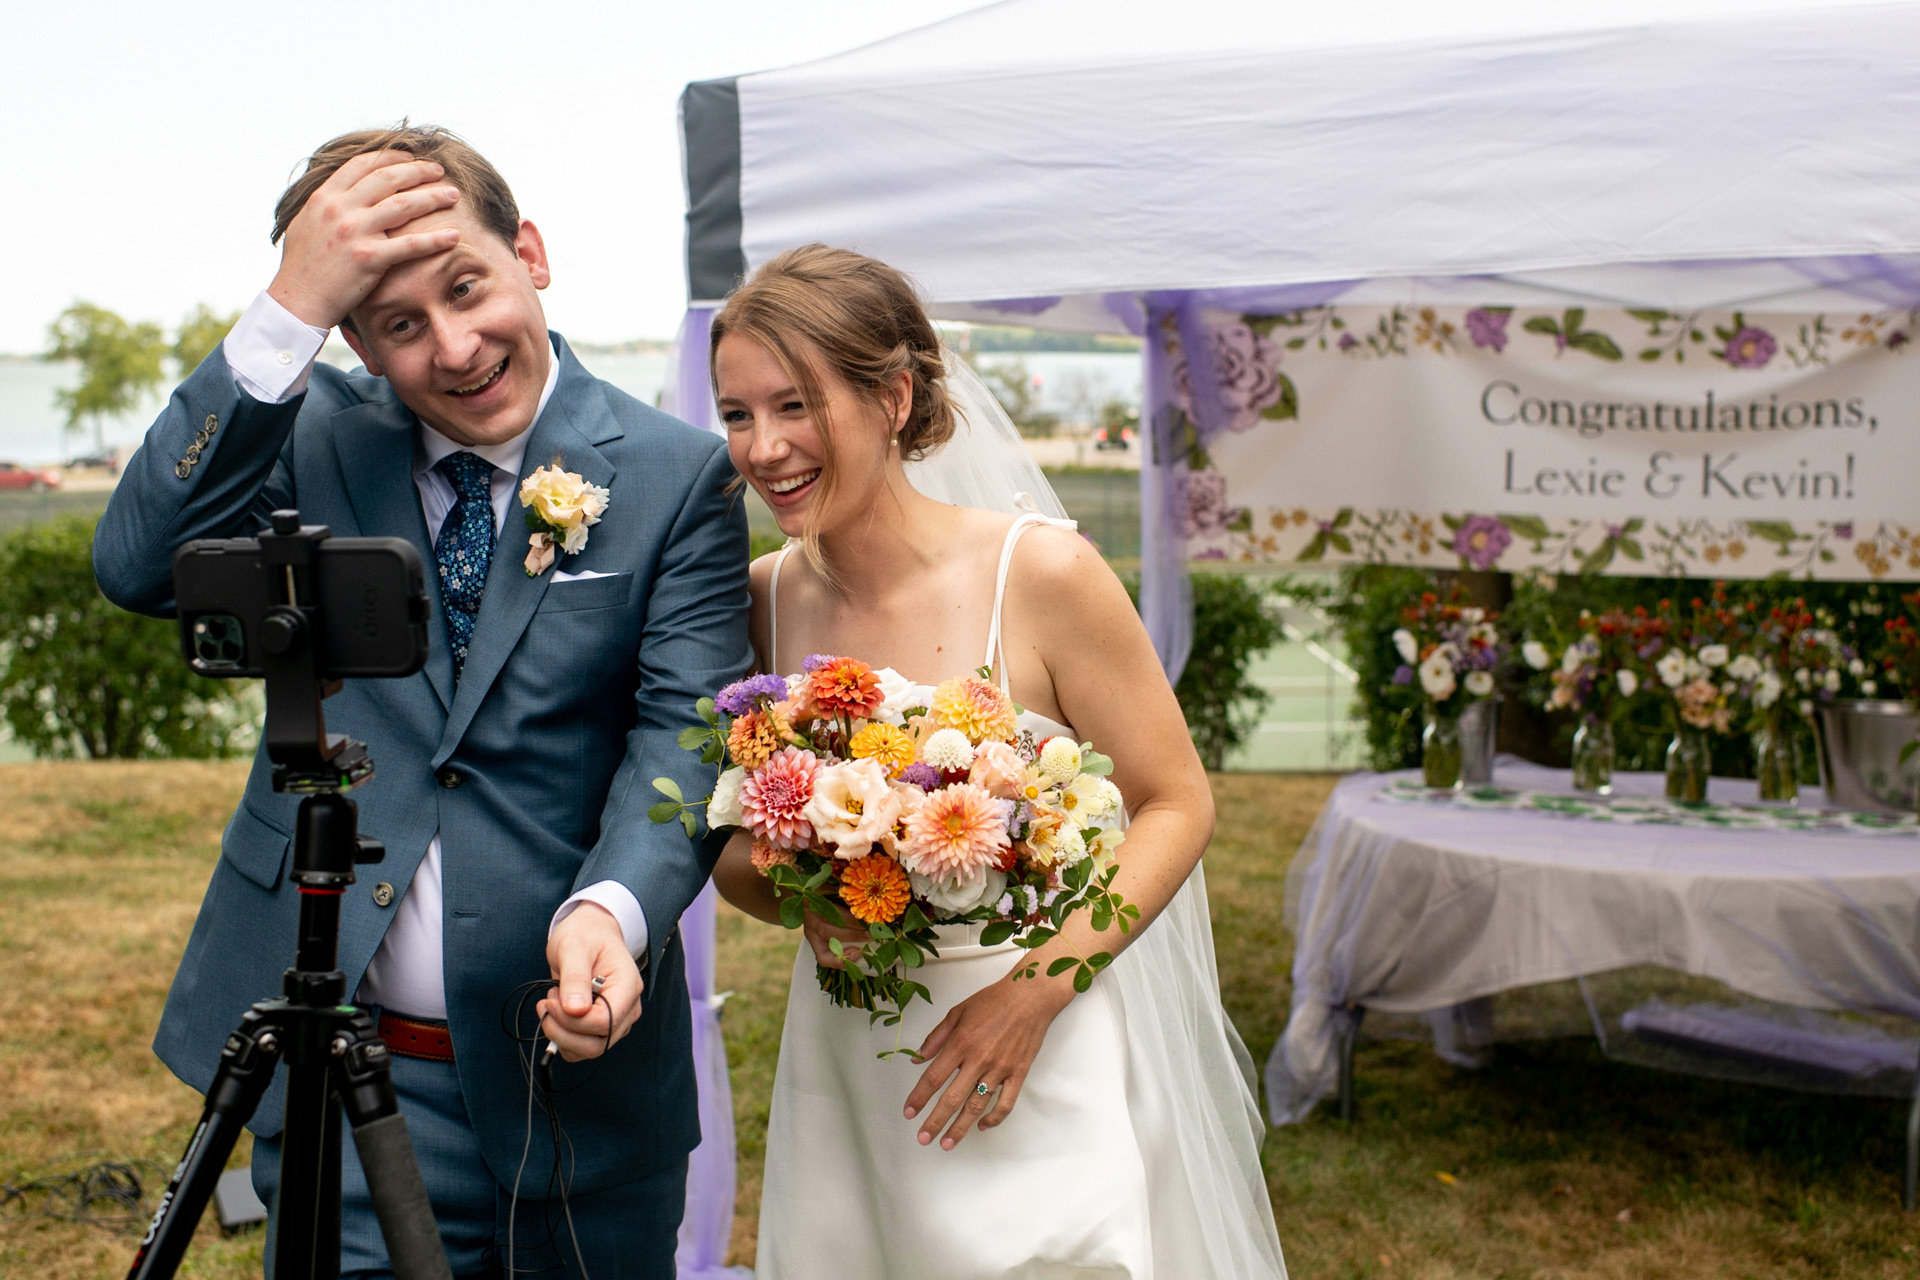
(688,395)
(1166,595)
(708,1225)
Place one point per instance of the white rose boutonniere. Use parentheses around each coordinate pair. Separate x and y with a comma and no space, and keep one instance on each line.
(561,507)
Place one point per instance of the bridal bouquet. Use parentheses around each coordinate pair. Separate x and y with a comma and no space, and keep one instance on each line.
(868,797)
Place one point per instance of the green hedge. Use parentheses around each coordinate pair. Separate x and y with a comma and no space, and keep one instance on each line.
(82,677)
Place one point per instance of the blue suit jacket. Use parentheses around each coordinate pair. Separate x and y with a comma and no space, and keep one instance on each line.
(569,706)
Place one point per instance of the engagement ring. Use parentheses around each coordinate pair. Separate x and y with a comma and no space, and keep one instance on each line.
(982,1089)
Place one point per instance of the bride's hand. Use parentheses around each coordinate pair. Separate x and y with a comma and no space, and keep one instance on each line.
(818,931)
(989,1038)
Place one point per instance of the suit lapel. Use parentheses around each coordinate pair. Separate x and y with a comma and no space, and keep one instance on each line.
(375,451)
(574,420)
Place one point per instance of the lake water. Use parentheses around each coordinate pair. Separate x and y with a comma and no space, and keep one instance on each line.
(31,424)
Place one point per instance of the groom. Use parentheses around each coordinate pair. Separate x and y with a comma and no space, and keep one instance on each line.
(515,771)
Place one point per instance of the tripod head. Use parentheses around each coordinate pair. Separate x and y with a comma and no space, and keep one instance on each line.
(303,610)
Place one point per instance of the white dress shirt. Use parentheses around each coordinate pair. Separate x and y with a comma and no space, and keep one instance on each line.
(270,353)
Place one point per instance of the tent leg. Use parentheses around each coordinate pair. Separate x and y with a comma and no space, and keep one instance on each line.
(1349,1038)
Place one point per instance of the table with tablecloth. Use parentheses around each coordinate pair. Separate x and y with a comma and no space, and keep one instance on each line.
(1406,902)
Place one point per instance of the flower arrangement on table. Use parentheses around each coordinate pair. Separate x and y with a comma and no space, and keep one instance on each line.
(1451,650)
(1894,669)
(1594,675)
(867,796)
(1705,680)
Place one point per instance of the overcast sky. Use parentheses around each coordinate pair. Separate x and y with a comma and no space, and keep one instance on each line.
(145,144)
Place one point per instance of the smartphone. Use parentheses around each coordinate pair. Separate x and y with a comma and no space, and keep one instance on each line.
(370,595)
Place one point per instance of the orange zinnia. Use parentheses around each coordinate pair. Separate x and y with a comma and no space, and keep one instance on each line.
(845,687)
(875,889)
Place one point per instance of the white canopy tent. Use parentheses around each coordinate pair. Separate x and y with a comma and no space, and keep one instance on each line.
(1100,166)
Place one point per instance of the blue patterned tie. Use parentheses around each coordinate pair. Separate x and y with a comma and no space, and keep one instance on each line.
(464,548)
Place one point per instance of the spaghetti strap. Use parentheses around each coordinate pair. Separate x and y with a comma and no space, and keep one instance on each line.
(773,610)
(996,658)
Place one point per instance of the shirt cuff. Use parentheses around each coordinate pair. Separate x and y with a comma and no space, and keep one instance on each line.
(619,902)
(270,351)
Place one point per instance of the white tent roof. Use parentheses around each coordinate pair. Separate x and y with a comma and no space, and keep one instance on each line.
(1040,148)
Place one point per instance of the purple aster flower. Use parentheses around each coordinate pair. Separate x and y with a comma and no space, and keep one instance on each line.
(1403,674)
(1348,342)
(1750,348)
(739,697)
(814,661)
(1843,530)
(921,775)
(1481,540)
(1897,339)
(1488,328)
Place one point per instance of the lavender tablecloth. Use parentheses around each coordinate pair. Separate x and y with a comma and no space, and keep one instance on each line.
(1409,908)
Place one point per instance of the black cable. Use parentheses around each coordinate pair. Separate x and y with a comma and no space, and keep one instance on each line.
(537,1067)
(80,1196)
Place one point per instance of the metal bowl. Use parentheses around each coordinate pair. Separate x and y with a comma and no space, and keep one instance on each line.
(1860,741)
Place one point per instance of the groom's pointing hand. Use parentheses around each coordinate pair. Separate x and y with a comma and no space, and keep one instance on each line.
(351,232)
(585,945)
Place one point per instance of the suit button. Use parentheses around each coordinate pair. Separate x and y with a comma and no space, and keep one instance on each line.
(449,778)
(212,424)
(383,894)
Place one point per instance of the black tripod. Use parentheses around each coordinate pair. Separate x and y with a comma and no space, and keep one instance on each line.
(333,1052)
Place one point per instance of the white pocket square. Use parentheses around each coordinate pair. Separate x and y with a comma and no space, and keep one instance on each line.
(560,576)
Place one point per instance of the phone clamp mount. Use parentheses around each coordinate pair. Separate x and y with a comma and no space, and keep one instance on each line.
(332,1049)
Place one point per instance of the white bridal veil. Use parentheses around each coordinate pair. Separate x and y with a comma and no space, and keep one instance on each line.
(1190,1078)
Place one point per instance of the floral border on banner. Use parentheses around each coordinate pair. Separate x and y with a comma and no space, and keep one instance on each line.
(1248,355)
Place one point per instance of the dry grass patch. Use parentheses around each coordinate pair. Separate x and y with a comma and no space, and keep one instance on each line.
(101,870)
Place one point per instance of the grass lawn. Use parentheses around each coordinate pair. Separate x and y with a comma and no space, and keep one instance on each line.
(1556,1162)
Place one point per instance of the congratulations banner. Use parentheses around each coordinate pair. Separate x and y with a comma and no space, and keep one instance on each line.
(1641,442)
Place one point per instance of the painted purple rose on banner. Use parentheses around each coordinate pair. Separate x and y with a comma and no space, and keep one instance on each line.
(1247,367)
(1750,348)
(1202,500)
(1480,540)
(1487,326)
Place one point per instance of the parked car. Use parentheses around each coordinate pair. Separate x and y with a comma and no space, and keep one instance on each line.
(38,479)
(94,462)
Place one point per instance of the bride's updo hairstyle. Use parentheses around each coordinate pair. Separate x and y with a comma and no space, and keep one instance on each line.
(817,307)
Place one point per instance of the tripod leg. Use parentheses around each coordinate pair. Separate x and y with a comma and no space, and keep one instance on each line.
(386,1155)
(306,1207)
(246,1067)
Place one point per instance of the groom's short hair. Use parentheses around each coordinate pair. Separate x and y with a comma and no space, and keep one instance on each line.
(483,192)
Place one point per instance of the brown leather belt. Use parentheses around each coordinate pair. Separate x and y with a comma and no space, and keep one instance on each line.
(411,1039)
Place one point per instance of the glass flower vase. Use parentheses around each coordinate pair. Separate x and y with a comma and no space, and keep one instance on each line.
(1776,763)
(1440,749)
(1593,756)
(1689,764)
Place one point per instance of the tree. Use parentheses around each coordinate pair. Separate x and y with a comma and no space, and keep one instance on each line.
(81,677)
(119,364)
(1012,385)
(199,334)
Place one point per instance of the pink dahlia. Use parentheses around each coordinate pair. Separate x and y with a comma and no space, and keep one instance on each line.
(957,833)
(774,797)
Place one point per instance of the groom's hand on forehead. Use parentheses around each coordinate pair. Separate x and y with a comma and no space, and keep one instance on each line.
(354,229)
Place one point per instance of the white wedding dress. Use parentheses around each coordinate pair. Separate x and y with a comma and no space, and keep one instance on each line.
(1133,1150)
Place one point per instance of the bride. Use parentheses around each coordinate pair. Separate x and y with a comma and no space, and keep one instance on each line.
(1112,1133)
